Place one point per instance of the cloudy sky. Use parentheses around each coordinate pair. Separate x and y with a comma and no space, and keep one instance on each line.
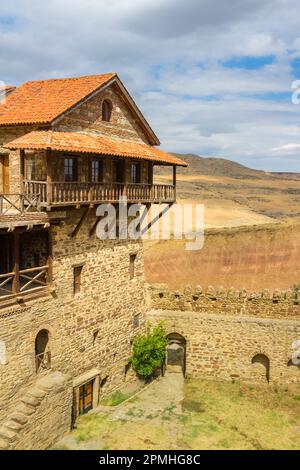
(213,77)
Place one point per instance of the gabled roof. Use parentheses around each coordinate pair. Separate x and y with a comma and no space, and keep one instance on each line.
(44,101)
(77,142)
(40,102)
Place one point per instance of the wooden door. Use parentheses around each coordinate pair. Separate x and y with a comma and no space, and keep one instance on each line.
(86,398)
(4,160)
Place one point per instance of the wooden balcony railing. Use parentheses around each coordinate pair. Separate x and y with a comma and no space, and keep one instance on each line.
(64,193)
(19,203)
(23,281)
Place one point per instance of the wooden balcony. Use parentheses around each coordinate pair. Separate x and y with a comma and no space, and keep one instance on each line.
(21,282)
(60,194)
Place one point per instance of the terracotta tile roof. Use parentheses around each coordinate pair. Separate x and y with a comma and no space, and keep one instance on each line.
(76,142)
(40,102)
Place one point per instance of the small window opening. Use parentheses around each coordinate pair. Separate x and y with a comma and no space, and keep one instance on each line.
(136,320)
(77,279)
(95,336)
(106,110)
(132,265)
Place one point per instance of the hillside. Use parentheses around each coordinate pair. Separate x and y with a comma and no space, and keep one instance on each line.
(222,167)
(217,182)
(252,228)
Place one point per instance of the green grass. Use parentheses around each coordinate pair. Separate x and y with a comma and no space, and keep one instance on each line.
(238,416)
(115,399)
(212,415)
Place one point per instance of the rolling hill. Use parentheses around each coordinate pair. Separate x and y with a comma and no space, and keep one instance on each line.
(252,228)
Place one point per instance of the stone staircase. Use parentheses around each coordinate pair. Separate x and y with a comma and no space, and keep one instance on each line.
(11,429)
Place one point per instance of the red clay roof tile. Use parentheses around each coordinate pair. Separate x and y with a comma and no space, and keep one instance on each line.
(40,102)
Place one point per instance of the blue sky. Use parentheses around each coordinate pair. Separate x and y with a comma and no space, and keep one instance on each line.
(212,80)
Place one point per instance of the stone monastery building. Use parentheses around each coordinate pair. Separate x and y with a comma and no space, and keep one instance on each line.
(71,303)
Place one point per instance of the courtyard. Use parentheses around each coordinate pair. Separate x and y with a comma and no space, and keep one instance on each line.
(177,414)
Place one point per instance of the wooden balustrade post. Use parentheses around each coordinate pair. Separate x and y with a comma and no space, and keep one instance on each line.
(16,255)
(22,171)
(174,181)
(50,258)
(49,177)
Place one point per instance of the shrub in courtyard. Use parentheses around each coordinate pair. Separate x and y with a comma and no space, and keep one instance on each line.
(149,351)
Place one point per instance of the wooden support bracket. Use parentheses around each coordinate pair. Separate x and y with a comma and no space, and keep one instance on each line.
(80,222)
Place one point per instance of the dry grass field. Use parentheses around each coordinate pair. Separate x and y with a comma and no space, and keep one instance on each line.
(252,229)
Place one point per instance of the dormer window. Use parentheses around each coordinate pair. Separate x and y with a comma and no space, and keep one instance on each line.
(106,110)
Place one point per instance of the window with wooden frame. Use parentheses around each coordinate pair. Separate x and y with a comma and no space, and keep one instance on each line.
(106,110)
(70,169)
(135,173)
(77,272)
(133,258)
(96,170)
(30,168)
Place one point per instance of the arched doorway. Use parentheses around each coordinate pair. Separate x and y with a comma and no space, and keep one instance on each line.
(176,353)
(263,363)
(42,351)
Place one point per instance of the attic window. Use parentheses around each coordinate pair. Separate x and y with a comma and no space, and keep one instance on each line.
(106,110)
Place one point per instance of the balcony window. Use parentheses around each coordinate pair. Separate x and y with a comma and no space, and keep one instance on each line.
(30,168)
(135,173)
(70,169)
(96,170)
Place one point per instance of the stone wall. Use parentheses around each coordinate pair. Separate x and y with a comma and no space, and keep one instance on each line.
(233,302)
(41,416)
(91,330)
(88,117)
(6,135)
(228,335)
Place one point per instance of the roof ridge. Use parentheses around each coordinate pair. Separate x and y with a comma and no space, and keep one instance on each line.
(70,78)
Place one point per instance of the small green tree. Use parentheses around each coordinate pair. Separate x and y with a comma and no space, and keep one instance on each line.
(149,351)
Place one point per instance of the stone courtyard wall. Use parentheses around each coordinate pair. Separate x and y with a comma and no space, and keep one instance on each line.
(225,330)
(265,304)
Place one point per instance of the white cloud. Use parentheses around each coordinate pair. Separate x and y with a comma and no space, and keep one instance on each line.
(286,148)
(170,55)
